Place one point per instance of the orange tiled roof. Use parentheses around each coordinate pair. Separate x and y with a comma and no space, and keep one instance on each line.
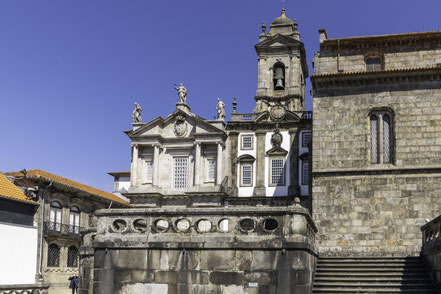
(9,190)
(37,173)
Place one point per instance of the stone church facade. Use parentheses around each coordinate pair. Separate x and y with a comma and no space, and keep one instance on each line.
(249,206)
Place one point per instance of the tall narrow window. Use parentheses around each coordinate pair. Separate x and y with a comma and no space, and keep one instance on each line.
(386,139)
(211,169)
(72,256)
(374,139)
(180,172)
(53,255)
(149,171)
(246,175)
(305,172)
(74,220)
(277,172)
(55,217)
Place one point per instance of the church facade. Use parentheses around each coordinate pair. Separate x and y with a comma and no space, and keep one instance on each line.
(249,206)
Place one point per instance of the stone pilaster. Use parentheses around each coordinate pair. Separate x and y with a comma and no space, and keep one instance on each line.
(259,189)
(197,164)
(134,171)
(155,164)
(219,164)
(233,190)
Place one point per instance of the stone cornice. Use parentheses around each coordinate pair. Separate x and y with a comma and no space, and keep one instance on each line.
(392,76)
(386,170)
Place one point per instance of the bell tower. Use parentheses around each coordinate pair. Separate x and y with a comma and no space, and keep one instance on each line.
(282,68)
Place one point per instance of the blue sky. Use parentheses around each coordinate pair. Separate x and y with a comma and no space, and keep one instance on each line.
(70,71)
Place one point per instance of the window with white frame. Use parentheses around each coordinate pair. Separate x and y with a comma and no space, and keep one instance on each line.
(149,171)
(277,173)
(246,172)
(306,138)
(211,169)
(74,220)
(381,137)
(247,142)
(55,217)
(305,172)
(180,172)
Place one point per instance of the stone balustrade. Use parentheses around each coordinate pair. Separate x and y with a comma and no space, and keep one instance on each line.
(24,289)
(431,250)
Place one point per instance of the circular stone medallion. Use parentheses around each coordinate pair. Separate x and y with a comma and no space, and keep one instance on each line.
(278,112)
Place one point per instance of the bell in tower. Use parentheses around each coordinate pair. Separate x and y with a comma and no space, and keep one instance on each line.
(279,77)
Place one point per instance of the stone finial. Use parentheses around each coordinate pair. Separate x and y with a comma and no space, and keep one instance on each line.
(323,35)
(234,106)
(263,27)
(297,201)
(136,116)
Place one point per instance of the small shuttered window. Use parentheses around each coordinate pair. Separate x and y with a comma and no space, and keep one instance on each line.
(180,172)
(211,169)
(305,172)
(277,172)
(149,171)
(247,175)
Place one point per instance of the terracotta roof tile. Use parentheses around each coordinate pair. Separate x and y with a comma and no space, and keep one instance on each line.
(37,173)
(9,190)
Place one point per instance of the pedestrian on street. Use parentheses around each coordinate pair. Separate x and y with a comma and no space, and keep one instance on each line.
(74,280)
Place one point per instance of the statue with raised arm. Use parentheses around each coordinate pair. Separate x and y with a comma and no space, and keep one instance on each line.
(182,92)
(136,116)
(220,107)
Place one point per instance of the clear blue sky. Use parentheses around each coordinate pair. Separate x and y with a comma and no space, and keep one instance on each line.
(71,70)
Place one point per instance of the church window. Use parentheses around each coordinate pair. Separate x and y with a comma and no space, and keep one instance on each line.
(247,142)
(72,256)
(279,76)
(149,171)
(246,174)
(381,132)
(305,172)
(53,255)
(211,170)
(55,217)
(306,138)
(74,220)
(180,172)
(374,139)
(277,174)
(373,64)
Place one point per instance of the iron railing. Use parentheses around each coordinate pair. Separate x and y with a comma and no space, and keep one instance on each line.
(55,228)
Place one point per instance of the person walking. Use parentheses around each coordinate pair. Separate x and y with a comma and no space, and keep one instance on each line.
(74,280)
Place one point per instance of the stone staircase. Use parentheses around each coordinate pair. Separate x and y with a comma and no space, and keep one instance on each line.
(372,275)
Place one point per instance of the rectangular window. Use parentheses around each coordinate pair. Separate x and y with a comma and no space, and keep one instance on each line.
(247,175)
(305,172)
(306,138)
(247,142)
(277,172)
(211,169)
(180,172)
(149,171)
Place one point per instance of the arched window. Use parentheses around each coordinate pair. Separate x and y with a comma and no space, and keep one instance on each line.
(74,220)
(381,133)
(72,256)
(55,217)
(279,76)
(374,63)
(53,255)
(374,139)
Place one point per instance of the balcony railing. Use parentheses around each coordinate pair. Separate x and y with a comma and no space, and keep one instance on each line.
(25,289)
(54,228)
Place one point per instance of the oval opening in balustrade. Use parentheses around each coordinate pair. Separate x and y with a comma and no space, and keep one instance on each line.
(204,226)
(224,225)
(162,225)
(140,225)
(247,224)
(182,225)
(270,224)
(119,225)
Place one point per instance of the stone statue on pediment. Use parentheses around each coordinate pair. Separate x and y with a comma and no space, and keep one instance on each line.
(220,107)
(182,92)
(136,116)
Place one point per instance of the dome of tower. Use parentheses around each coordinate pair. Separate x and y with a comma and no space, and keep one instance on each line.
(282,19)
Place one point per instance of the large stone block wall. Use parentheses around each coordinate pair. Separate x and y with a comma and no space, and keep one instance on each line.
(165,271)
(373,215)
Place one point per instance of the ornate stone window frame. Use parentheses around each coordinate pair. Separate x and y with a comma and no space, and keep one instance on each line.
(246,160)
(242,142)
(270,173)
(385,142)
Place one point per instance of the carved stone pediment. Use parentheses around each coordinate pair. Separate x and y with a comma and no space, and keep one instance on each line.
(277,151)
(246,158)
(278,40)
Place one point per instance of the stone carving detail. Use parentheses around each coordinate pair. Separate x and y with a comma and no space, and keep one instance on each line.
(140,225)
(182,92)
(277,138)
(180,126)
(136,116)
(277,112)
(119,225)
